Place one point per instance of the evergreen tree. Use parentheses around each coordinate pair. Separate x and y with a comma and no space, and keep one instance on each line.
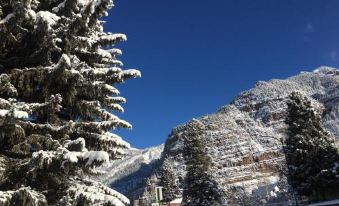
(200,189)
(58,69)
(311,155)
(167,181)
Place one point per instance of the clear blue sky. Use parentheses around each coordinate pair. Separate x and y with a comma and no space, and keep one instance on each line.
(195,55)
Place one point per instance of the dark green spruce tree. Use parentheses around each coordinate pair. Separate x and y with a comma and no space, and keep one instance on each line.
(200,188)
(167,181)
(58,99)
(311,155)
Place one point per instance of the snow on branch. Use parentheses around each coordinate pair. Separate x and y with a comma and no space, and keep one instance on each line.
(116,100)
(110,39)
(63,157)
(131,73)
(114,51)
(47,17)
(111,89)
(15,114)
(94,157)
(64,62)
(24,194)
(7,18)
(108,136)
(93,193)
(116,107)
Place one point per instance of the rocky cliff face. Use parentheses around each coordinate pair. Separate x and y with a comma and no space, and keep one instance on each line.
(244,137)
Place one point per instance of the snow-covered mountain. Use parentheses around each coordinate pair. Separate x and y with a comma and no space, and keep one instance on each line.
(244,138)
(128,175)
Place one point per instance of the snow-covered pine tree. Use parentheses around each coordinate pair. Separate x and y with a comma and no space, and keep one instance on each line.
(167,181)
(311,155)
(58,69)
(200,188)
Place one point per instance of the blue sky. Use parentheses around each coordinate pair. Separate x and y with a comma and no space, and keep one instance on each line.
(195,55)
